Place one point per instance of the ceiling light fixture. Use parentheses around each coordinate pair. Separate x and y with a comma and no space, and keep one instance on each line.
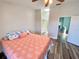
(48,2)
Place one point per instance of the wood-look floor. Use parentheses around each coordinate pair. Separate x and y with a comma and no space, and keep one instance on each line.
(64,51)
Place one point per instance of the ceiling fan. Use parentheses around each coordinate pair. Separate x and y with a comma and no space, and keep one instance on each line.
(47,2)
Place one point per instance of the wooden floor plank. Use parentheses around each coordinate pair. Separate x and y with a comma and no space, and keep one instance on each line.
(64,51)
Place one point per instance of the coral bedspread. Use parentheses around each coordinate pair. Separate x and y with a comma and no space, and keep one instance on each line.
(31,46)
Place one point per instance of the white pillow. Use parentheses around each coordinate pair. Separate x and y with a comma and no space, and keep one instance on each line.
(13,35)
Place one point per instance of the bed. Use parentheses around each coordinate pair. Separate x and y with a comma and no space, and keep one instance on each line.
(31,46)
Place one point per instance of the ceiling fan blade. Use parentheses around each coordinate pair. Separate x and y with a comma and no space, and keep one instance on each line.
(58,4)
(34,0)
(61,0)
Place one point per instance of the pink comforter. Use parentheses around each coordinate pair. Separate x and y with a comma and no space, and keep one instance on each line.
(31,46)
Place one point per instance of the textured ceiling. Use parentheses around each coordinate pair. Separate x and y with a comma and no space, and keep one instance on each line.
(29,3)
(35,5)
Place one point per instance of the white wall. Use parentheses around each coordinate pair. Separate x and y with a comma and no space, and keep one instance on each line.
(69,8)
(74,30)
(15,17)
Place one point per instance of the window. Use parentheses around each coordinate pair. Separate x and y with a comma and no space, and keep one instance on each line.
(44,21)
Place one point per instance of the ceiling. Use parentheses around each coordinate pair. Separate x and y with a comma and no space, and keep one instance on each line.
(26,3)
(35,5)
